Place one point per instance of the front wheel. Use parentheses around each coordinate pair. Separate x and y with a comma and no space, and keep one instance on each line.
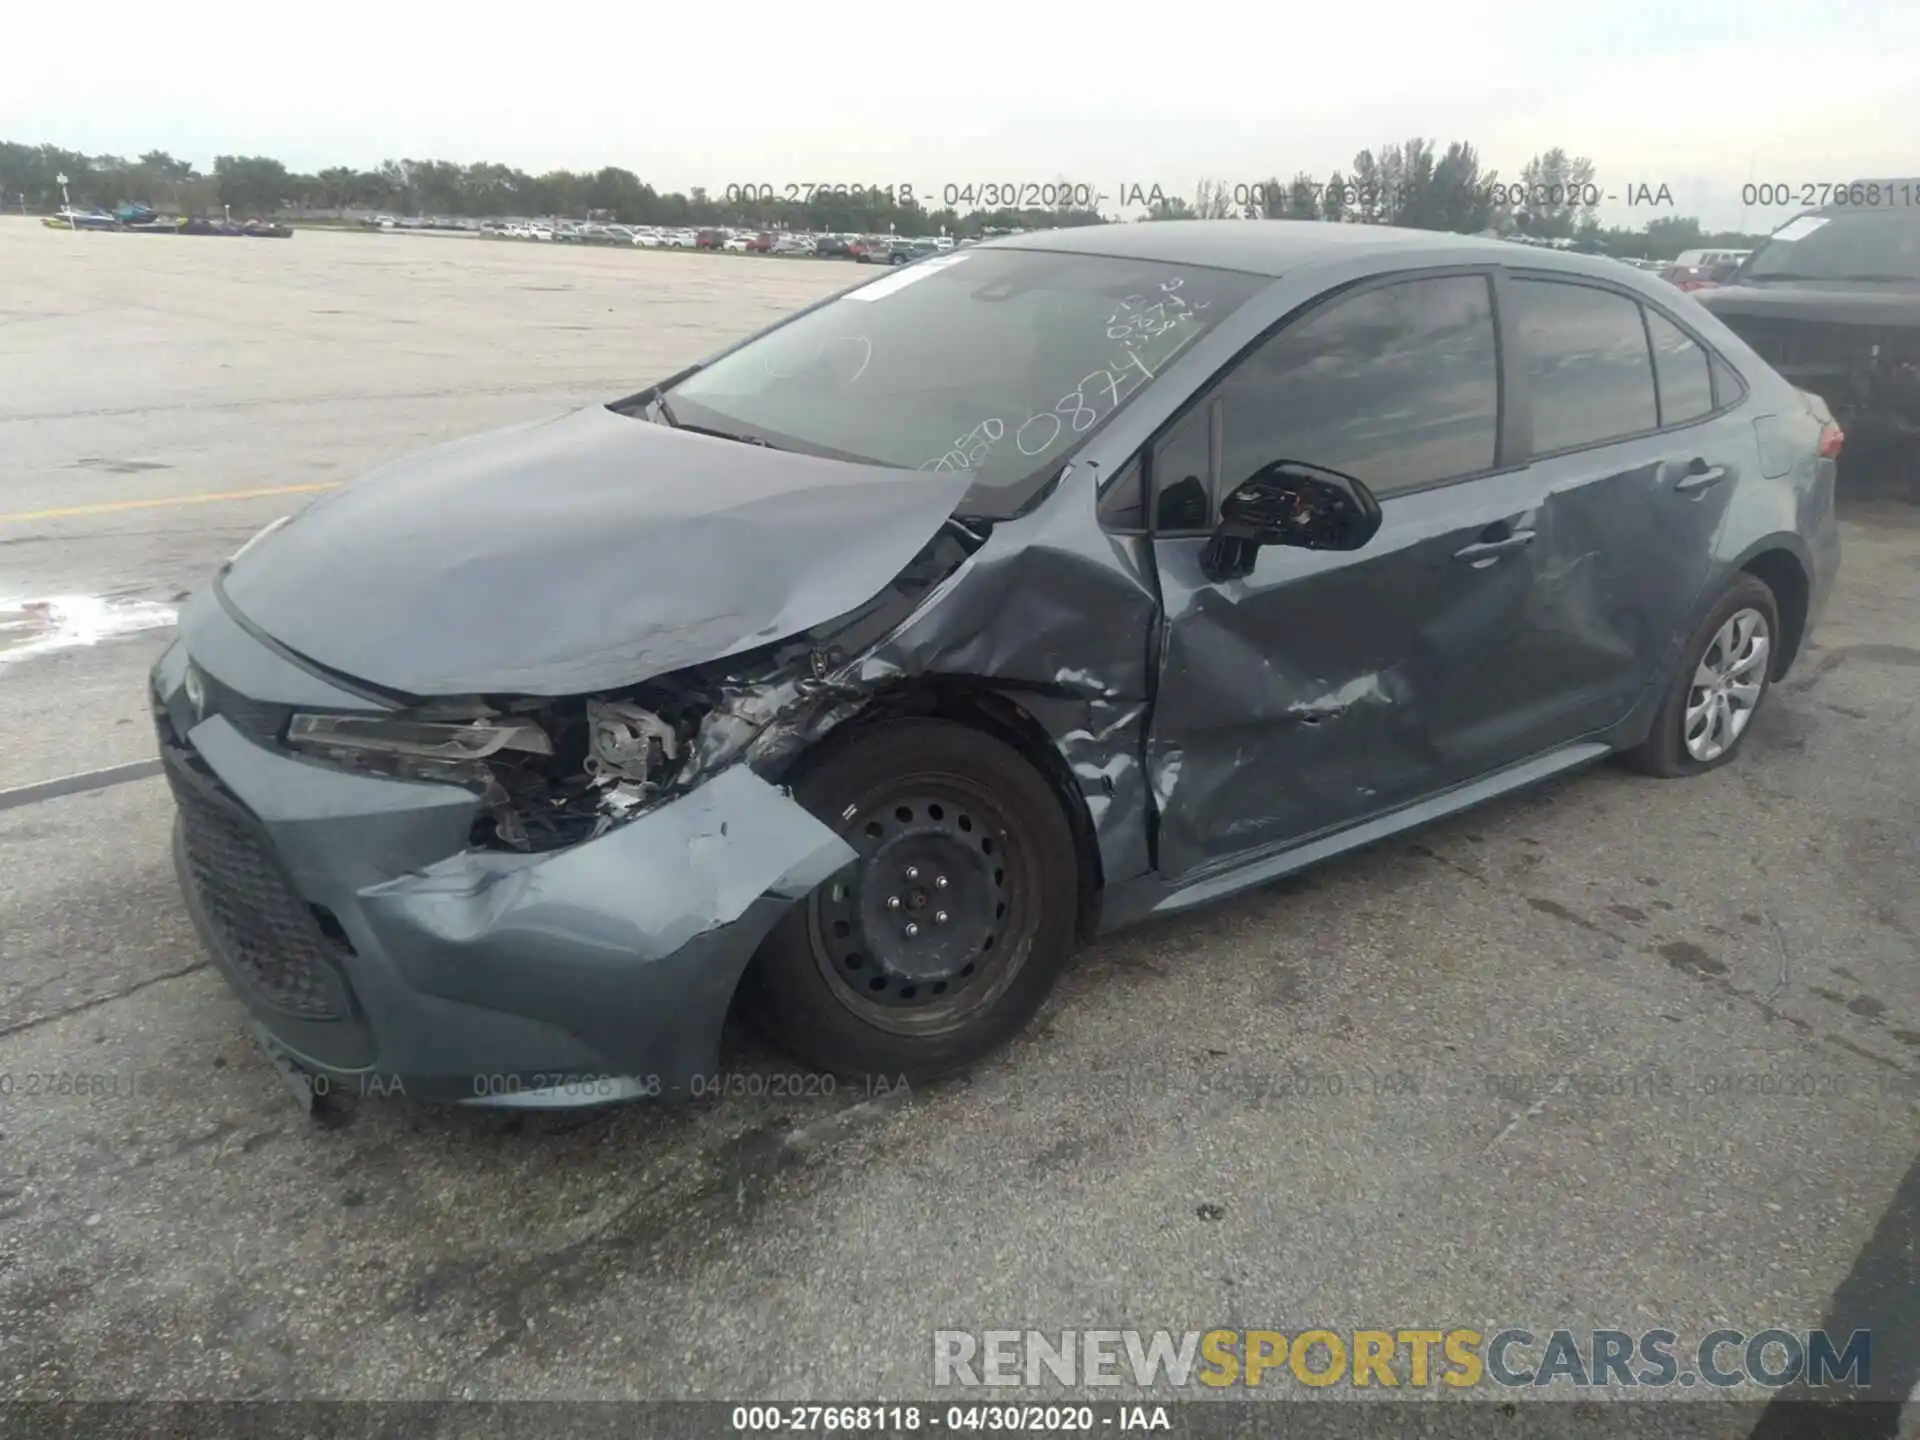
(1725,671)
(938,943)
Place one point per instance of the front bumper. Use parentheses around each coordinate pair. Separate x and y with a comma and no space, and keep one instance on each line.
(381,955)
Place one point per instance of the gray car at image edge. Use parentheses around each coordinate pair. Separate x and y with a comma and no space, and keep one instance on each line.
(853,675)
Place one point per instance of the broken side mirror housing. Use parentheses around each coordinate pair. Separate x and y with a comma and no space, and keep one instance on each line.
(1289,503)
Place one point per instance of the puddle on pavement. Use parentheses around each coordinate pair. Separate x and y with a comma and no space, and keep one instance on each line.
(65,622)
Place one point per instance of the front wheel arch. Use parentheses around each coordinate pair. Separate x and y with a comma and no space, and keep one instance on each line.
(983,706)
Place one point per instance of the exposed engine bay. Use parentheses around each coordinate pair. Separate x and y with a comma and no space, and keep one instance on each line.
(553,773)
(616,756)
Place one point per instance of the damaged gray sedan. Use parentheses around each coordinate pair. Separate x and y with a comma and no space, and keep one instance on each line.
(856,673)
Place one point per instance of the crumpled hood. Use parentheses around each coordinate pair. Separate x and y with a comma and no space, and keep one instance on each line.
(1832,303)
(580,553)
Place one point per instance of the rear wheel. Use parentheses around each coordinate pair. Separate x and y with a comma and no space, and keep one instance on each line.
(939,942)
(1724,674)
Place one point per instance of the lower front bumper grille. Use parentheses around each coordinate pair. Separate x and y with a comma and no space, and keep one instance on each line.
(264,929)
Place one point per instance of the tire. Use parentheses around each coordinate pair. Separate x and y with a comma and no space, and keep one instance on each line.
(939,944)
(1666,751)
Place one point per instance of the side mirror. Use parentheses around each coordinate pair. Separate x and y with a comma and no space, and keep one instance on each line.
(1289,503)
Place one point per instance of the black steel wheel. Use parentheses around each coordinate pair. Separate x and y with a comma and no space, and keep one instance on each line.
(940,940)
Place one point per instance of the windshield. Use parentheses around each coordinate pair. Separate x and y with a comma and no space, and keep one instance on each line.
(994,362)
(1843,245)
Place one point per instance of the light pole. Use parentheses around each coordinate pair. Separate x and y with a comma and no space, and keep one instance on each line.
(72,224)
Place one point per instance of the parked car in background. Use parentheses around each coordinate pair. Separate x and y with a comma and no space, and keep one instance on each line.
(905,252)
(1710,259)
(757,717)
(647,239)
(1688,277)
(1832,301)
(793,245)
(710,239)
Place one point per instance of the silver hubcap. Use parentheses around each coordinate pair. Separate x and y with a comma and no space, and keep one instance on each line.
(1726,686)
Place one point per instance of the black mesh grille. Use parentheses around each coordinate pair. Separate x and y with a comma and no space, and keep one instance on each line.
(265,930)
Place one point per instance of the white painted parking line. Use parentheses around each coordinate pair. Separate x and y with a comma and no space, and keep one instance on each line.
(77,784)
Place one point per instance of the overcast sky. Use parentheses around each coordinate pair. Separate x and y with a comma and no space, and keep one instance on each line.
(1702,96)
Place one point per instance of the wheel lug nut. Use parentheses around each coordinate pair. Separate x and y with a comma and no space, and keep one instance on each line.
(939,917)
(912,930)
(939,882)
(893,902)
(913,872)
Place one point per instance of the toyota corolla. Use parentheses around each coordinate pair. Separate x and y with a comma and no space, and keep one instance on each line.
(855,673)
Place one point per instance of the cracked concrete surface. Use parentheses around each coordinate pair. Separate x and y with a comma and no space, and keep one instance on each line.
(1616,1052)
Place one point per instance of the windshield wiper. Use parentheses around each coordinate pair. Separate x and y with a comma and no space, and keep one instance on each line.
(664,411)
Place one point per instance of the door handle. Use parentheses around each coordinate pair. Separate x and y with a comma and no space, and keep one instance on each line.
(1700,476)
(1484,551)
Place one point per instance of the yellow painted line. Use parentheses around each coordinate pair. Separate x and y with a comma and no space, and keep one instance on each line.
(114,507)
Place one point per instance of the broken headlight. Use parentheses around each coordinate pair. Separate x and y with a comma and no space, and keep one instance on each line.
(446,751)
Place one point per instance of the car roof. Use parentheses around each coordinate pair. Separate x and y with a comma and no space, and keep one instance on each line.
(1260,247)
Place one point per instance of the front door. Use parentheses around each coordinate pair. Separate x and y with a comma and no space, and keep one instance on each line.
(1325,687)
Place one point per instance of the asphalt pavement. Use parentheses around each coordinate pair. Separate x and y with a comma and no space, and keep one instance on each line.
(1615,1053)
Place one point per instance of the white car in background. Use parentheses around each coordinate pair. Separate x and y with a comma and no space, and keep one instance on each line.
(647,239)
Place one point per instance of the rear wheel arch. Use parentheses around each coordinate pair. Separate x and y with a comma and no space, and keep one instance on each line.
(1784,572)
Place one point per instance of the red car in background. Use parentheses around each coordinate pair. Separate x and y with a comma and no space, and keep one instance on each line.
(1700,277)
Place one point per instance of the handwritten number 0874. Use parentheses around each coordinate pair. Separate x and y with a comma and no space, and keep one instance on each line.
(1073,407)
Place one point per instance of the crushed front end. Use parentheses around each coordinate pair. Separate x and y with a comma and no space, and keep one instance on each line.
(517,903)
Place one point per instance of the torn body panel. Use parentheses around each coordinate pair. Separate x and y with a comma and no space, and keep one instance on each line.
(1057,616)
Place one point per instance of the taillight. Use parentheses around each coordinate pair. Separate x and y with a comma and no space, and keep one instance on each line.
(1832,437)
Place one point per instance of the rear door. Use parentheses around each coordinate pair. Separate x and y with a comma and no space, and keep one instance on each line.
(1634,456)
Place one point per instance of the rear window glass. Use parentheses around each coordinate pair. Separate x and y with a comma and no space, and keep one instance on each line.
(1680,365)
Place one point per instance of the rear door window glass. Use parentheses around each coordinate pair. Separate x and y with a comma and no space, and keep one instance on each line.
(1680,365)
(1589,373)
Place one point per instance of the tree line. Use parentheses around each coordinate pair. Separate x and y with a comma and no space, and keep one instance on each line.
(1415,183)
